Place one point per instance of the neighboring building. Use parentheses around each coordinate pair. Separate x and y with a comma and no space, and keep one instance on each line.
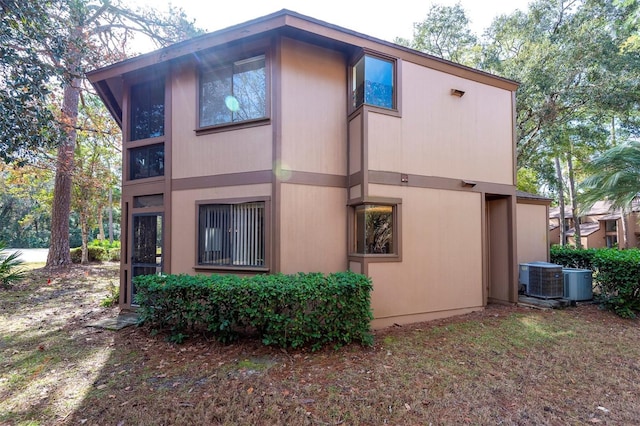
(287,144)
(601,226)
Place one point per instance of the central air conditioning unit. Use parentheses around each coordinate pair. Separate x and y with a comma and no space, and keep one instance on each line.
(542,279)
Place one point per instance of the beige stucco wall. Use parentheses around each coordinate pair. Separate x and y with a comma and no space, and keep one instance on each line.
(441,267)
(313,229)
(240,150)
(444,135)
(532,231)
(313,96)
(185,231)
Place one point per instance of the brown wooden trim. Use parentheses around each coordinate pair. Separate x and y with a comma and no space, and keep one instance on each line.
(168,161)
(316,179)
(228,127)
(231,269)
(276,116)
(228,179)
(521,200)
(436,182)
(514,140)
(356,179)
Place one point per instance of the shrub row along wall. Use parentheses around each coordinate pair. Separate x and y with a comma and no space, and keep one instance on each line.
(616,273)
(286,310)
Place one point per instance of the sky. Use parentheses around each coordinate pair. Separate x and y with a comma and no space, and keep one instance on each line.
(384,19)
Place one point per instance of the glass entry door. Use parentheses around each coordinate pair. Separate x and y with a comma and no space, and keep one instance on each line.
(146,256)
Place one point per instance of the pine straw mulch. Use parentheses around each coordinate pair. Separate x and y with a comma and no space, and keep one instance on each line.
(504,365)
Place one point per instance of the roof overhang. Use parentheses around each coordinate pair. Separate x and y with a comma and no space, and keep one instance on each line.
(108,81)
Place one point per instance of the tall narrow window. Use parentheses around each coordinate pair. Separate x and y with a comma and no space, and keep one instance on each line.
(232,234)
(373,82)
(147,110)
(374,229)
(234,93)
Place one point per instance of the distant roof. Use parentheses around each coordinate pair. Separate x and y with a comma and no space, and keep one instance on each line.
(530,196)
(585,229)
(598,209)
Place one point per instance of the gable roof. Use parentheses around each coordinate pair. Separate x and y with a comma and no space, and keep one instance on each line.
(108,80)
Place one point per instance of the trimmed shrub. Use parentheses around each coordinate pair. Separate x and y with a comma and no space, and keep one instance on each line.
(95,254)
(570,257)
(114,254)
(289,311)
(616,273)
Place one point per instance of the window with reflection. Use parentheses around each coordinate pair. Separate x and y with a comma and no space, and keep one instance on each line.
(233,93)
(373,82)
(147,110)
(146,161)
(374,232)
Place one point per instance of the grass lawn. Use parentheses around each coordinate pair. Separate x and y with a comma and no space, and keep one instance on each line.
(505,365)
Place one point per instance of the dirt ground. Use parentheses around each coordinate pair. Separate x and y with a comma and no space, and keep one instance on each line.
(504,365)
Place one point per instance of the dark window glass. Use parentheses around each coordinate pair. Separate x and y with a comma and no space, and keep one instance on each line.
(233,93)
(374,229)
(146,162)
(147,110)
(231,234)
(373,82)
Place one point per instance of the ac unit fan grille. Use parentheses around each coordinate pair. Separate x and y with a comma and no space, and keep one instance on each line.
(546,282)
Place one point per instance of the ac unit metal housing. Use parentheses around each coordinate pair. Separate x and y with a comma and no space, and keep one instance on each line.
(542,279)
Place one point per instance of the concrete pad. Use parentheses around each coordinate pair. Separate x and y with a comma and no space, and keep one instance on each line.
(534,302)
(118,323)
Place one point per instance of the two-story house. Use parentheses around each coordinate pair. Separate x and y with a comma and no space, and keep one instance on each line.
(287,144)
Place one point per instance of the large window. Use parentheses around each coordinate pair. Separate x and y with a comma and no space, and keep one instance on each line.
(147,110)
(232,234)
(233,93)
(373,82)
(374,233)
(146,161)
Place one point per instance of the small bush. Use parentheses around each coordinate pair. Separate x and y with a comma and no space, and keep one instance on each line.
(113,296)
(105,244)
(114,254)
(289,311)
(10,271)
(95,254)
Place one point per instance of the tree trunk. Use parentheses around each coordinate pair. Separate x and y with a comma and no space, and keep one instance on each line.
(563,230)
(574,202)
(59,251)
(84,228)
(625,226)
(100,224)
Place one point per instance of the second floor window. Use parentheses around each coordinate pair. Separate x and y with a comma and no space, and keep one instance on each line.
(233,93)
(147,110)
(373,82)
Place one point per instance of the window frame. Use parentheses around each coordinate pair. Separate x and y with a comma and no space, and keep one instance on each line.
(396,253)
(266,237)
(210,64)
(395,62)
(128,144)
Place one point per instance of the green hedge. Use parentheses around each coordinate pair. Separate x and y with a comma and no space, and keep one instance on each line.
(616,274)
(289,311)
(102,252)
